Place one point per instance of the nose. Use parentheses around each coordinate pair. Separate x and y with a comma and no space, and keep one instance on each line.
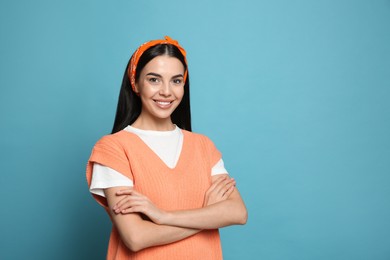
(165,89)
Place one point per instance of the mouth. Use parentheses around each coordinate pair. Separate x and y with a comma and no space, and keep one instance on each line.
(163,103)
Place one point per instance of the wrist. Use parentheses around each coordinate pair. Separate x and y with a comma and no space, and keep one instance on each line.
(166,218)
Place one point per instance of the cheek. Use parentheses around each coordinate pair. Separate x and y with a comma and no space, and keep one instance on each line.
(180,93)
(147,89)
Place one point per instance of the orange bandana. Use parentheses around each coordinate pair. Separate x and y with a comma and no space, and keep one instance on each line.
(141,49)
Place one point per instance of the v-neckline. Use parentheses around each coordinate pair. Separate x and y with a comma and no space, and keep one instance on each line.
(147,149)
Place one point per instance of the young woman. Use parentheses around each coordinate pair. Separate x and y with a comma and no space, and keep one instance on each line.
(165,188)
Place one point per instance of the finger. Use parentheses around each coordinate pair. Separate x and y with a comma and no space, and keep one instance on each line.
(229,185)
(130,209)
(130,201)
(138,205)
(217,182)
(133,209)
(123,200)
(228,192)
(125,192)
(226,185)
(128,205)
(132,197)
(231,182)
(223,186)
(220,178)
(122,203)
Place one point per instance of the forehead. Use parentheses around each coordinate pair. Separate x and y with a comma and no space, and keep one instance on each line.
(164,65)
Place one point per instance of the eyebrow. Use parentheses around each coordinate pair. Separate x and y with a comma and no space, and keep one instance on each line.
(158,75)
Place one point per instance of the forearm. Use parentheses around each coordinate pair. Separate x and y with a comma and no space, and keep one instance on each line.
(137,233)
(147,234)
(224,213)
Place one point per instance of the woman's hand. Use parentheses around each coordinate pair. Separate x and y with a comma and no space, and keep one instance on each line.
(135,202)
(220,190)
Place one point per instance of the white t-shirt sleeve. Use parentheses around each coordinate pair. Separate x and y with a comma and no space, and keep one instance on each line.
(104,177)
(219,168)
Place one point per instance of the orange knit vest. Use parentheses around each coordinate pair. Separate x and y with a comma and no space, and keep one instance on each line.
(182,187)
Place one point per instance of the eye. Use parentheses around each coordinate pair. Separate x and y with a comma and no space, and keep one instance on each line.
(178,81)
(153,80)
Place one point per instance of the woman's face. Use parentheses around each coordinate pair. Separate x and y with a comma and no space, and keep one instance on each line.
(160,87)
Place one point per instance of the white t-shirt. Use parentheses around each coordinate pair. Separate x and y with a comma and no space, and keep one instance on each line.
(166,144)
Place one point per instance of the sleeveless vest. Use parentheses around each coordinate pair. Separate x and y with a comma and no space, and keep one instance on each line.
(180,188)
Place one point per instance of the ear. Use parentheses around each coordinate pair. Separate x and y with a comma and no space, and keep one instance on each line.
(136,89)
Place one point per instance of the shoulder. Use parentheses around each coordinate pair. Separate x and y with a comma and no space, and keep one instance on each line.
(117,140)
(194,135)
(205,145)
(198,137)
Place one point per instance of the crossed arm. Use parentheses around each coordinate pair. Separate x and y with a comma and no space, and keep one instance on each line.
(222,206)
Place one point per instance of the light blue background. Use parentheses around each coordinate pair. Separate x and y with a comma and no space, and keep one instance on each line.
(294,93)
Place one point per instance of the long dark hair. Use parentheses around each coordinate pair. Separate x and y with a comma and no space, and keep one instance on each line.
(129,103)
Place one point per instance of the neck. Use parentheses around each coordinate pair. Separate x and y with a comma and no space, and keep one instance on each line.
(155,125)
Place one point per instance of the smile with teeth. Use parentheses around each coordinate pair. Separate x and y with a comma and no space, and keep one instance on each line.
(161,103)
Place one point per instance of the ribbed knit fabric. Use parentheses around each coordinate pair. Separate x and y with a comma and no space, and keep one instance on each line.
(182,187)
